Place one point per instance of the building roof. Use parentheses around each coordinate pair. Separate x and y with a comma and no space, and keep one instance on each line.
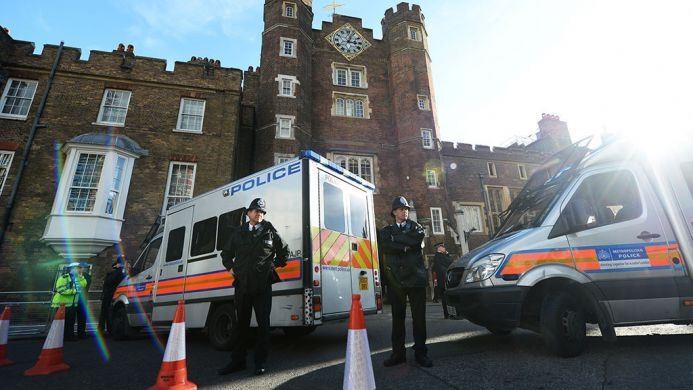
(119,141)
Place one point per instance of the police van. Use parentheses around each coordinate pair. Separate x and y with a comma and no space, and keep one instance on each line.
(323,212)
(600,236)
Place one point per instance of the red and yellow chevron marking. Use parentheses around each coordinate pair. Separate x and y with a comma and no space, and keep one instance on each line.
(521,262)
(660,255)
(586,259)
(334,248)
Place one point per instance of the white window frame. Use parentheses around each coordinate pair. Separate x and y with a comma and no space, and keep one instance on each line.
(103,102)
(98,186)
(282,42)
(168,183)
(343,160)
(414,33)
(423,103)
(32,84)
(350,105)
(6,158)
(349,71)
(281,79)
(439,212)
(116,188)
(282,119)
(427,138)
(491,168)
(285,8)
(432,178)
(282,157)
(180,116)
(522,171)
(482,219)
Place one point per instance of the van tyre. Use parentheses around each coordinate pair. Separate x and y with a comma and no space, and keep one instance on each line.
(220,325)
(120,327)
(562,323)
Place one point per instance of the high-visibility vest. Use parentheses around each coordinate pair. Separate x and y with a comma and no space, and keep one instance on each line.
(66,291)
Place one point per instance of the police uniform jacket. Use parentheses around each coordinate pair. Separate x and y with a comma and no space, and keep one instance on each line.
(251,255)
(402,255)
(441,262)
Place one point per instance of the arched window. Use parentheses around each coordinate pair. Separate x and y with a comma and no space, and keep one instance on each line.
(349,107)
(358,112)
(339,106)
(366,171)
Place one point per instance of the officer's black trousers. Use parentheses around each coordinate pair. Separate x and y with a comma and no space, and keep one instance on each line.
(262,305)
(70,314)
(81,319)
(417,302)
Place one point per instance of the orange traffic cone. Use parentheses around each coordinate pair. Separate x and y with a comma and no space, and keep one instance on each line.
(358,370)
(51,358)
(174,373)
(4,332)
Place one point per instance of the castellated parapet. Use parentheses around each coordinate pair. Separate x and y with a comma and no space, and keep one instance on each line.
(403,12)
(125,65)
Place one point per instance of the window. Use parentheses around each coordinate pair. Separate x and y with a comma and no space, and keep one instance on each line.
(358,216)
(174,247)
(414,33)
(472,218)
(286,85)
(285,127)
(604,199)
(289,9)
(148,258)
(287,47)
(333,208)
(227,223)
(359,165)
(179,187)
(423,103)
(85,183)
(491,169)
(427,138)
(203,237)
(431,178)
(495,202)
(114,107)
(114,192)
(437,220)
(17,97)
(522,171)
(349,76)
(5,163)
(191,115)
(354,106)
(282,158)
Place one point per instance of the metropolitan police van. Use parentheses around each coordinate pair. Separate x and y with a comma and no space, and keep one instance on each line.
(322,211)
(599,236)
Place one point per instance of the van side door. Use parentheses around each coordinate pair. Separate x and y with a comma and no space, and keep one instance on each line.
(140,284)
(619,240)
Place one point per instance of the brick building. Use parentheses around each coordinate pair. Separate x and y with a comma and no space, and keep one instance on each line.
(117,137)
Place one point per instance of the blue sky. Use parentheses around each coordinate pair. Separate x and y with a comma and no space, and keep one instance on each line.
(614,65)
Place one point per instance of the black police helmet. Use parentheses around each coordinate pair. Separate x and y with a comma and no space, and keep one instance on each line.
(258,204)
(398,202)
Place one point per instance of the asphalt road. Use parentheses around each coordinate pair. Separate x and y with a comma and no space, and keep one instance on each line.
(464,356)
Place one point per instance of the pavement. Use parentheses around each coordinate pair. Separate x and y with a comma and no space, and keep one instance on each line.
(464,356)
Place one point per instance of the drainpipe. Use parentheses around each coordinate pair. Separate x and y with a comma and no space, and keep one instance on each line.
(27,147)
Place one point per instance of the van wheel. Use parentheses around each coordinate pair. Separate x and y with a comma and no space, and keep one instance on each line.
(499,331)
(562,322)
(298,331)
(120,325)
(220,325)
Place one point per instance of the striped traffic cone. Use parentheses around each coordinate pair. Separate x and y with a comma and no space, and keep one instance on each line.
(358,370)
(4,332)
(174,373)
(51,358)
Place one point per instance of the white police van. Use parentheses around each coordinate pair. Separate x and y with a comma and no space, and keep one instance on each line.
(600,236)
(322,211)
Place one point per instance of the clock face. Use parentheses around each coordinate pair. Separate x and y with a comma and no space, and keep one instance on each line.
(348,41)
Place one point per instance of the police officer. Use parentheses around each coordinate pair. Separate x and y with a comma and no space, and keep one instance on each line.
(66,292)
(110,283)
(441,262)
(251,254)
(403,259)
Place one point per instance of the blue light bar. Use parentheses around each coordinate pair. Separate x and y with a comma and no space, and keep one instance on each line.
(329,164)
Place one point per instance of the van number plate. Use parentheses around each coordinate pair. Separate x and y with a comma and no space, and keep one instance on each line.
(363,283)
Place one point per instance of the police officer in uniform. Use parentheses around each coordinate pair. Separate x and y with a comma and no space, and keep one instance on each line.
(251,254)
(400,244)
(67,289)
(441,262)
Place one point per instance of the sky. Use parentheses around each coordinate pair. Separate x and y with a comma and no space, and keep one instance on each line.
(601,65)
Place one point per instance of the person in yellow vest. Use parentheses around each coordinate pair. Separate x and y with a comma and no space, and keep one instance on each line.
(67,290)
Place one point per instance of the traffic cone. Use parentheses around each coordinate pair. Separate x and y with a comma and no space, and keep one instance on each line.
(51,358)
(174,373)
(4,332)
(358,370)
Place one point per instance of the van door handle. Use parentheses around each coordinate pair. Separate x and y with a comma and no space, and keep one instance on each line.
(148,277)
(645,235)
